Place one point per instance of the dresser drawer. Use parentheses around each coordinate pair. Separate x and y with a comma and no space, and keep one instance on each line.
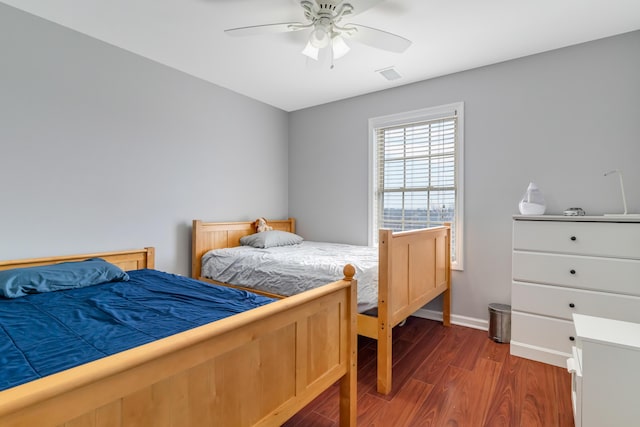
(609,239)
(553,335)
(560,302)
(583,272)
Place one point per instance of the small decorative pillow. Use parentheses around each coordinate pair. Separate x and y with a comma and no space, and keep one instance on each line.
(19,282)
(270,239)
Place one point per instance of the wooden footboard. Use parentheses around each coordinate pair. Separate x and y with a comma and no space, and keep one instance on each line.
(256,368)
(414,268)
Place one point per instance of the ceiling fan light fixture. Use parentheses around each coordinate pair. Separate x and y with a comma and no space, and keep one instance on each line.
(311,51)
(319,37)
(339,46)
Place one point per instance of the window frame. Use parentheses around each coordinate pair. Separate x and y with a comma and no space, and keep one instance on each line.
(407,118)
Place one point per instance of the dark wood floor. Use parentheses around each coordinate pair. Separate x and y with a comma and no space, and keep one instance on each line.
(451,376)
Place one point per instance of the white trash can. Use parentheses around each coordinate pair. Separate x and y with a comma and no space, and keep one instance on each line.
(500,322)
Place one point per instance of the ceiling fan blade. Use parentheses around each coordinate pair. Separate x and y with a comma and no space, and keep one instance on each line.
(258,30)
(379,39)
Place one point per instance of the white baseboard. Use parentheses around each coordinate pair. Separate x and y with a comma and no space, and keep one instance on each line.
(540,354)
(469,322)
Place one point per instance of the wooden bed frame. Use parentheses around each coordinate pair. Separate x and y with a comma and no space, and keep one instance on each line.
(256,368)
(414,268)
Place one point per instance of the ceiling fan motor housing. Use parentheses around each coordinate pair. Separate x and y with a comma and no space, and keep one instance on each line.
(328,4)
(330,10)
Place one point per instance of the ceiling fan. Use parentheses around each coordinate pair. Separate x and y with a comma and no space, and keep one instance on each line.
(327,34)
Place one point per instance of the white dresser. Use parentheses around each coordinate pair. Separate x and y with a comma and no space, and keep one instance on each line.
(563,265)
(604,371)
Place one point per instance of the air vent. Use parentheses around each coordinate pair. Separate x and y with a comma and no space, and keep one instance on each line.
(389,73)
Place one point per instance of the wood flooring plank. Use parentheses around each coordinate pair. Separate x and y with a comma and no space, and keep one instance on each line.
(443,395)
(431,370)
(401,410)
(367,381)
(474,348)
(310,419)
(503,410)
(470,403)
(366,351)
(369,409)
(539,404)
(563,388)
(498,352)
(401,348)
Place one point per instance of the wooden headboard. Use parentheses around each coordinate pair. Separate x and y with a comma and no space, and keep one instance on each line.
(219,235)
(134,259)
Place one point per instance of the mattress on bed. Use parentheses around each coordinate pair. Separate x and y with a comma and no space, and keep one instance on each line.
(289,270)
(42,334)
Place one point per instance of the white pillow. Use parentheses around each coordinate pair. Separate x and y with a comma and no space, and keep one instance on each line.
(270,239)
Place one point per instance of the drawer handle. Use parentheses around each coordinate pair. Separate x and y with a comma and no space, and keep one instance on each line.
(572,305)
(572,338)
(572,271)
(573,238)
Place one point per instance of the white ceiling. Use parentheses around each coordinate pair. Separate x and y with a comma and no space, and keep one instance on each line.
(448,36)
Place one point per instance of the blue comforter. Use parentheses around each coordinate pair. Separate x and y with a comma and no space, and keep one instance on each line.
(46,333)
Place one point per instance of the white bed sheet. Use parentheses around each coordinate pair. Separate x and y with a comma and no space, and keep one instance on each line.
(289,270)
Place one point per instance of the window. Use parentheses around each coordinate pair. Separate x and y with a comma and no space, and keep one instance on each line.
(417,172)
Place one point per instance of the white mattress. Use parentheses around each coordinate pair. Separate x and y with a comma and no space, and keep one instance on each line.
(288,270)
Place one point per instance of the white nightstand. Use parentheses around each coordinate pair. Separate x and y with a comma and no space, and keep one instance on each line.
(605,372)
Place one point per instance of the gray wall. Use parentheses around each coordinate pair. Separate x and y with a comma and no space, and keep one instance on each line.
(101,149)
(560,119)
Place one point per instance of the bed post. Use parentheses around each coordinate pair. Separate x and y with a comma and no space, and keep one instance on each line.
(385,326)
(195,249)
(446,296)
(349,382)
(150,259)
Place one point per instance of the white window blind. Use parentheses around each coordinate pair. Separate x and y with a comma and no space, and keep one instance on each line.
(417,174)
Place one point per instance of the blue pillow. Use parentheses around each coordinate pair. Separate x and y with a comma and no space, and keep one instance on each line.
(19,282)
(270,239)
